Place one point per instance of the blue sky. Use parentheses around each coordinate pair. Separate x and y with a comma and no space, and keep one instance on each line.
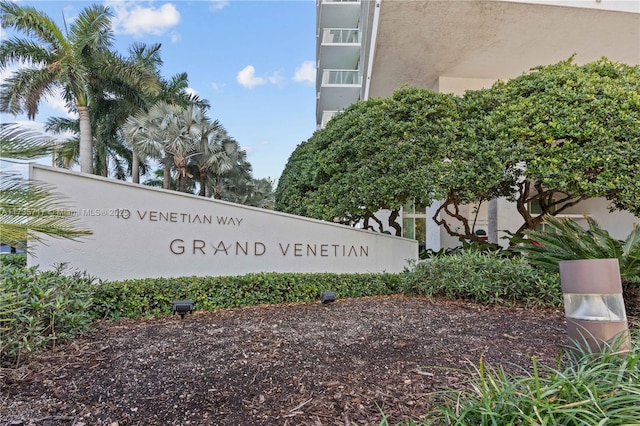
(253,60)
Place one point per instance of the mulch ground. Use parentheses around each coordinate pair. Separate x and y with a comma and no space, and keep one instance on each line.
(348,362)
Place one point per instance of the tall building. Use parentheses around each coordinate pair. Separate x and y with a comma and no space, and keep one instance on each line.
(369,48)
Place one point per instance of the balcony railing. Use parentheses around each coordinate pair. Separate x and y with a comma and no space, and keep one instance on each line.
(340,36)
(341,77)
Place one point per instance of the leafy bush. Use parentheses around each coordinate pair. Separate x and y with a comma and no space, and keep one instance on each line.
(148,297)
(592,389)
(483,277)
(567,240)
(19,260)
(40,309)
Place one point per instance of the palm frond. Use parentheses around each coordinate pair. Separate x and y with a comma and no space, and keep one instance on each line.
(567,240)
(22,90)
(30,210)
(21,143)
(17,50)
(32,22)
(92,30)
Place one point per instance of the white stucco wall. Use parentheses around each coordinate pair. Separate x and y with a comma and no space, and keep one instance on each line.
(459,85)
(144,232)
(618,223)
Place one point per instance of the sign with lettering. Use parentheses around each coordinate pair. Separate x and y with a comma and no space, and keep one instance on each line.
(145,232)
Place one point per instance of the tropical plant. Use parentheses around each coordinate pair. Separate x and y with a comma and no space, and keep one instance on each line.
(231,179)
(113,100)
(377,154)
(599,388)
(565,239)
(172,90)
(21,143)
(29,210)
(157,180)
(248,191)
(58,62)
(297,186)
(41,309)
(483,277)
(551,138)
(212,156)
(168,131)
(559,134)
(81,65)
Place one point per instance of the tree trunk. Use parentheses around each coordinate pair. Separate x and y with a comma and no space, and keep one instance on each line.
(135,167)
(393,224)
(203,181)
(166,182)
(104,162)
(86,141)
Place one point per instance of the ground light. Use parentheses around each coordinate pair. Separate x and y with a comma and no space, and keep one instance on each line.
(328,296)
(593,303)
(182,307)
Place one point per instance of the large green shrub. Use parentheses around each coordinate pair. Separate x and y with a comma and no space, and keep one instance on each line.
(40,309)
(154,296)
(483,277)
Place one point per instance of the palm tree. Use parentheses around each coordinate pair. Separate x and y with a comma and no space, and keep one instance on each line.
(212,155)
(249,191)
(114,96)
(157,181)
(172,91)
(57,62)
(30,209)
(168,131)
(117,96)
(219,178)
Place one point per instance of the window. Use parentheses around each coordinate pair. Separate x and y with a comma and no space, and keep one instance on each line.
(534,208)
(414,223)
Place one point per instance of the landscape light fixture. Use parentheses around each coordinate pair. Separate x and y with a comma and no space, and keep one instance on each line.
(182,307)
(328,297)
(593,304)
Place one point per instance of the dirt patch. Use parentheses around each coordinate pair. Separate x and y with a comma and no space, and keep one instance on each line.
(305,364)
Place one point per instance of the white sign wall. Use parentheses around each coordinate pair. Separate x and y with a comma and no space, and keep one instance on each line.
(144,232)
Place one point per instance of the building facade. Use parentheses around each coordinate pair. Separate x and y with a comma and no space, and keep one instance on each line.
(369,48)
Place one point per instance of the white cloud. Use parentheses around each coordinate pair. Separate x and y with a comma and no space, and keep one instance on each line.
(306,72)
(191,91)
(216,5)
(215,86)
(247,77)
(132,18)
(57,103)
(276,78)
